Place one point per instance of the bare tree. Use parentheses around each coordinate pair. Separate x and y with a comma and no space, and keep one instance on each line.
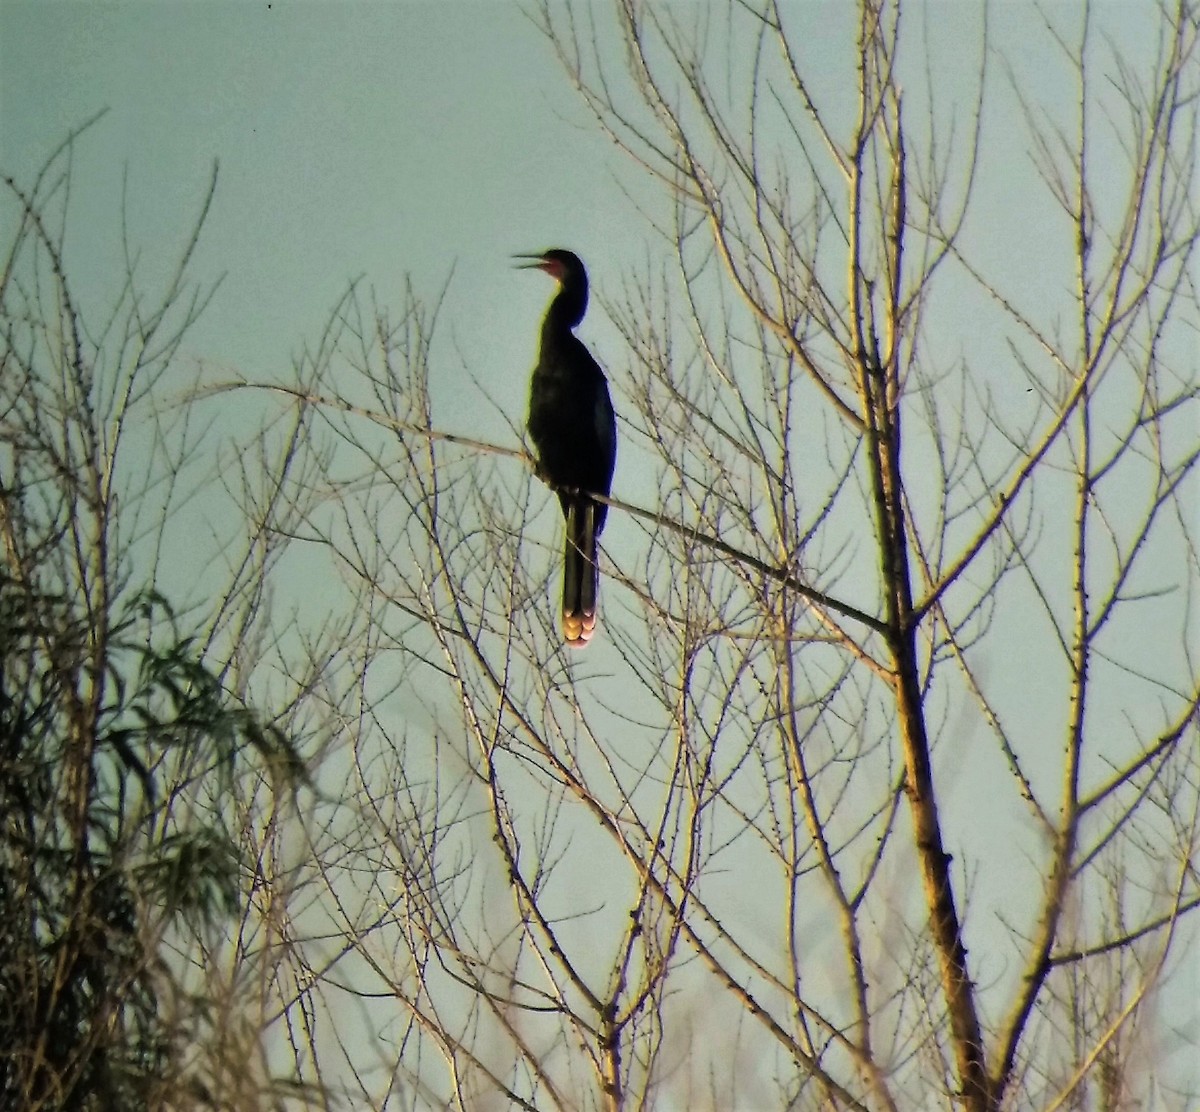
(908,579)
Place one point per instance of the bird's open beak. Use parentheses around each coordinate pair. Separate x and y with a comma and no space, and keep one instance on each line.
(536,263)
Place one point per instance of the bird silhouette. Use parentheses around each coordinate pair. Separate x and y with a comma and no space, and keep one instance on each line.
(574,429)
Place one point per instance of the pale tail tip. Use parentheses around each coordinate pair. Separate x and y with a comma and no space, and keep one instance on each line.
(578,629)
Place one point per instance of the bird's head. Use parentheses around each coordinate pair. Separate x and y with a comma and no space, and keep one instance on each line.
(564,266)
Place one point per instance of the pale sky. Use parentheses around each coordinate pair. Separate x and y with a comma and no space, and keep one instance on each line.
(354,140)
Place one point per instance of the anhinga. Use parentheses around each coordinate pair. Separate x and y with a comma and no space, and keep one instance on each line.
(574,430)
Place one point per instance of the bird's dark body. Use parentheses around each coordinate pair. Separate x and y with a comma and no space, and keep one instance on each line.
(571,423)
(573,427)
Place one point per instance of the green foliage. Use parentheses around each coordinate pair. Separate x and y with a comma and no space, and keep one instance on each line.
(104,848)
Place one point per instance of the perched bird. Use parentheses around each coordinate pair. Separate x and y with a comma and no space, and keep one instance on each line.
(574,430)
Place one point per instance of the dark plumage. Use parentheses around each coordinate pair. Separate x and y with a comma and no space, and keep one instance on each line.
(574,430)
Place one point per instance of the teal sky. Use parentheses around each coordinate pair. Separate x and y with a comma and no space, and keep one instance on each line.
(368,140)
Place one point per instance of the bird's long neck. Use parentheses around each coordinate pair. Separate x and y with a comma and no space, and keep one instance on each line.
(566,310)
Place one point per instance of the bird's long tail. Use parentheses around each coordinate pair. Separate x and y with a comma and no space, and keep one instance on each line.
(581,576)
